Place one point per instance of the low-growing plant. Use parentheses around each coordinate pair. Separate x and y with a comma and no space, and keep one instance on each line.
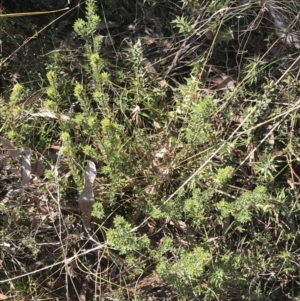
(193,148)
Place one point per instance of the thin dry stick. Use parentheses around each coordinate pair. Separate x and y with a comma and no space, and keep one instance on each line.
(35,35)
(270,132)
(296,61)
(66,262)
(294,108)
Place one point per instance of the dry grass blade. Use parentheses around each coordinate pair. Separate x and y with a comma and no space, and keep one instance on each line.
(28,14)
(86,198)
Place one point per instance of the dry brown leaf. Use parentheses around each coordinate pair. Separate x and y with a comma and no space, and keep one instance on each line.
(185,229)
(108,24)
(209,35)
(38,169)
(47,113)
(222,82)
(163,83)
(149,67)
(161,153)
(26,167)
(15,171)
(151,189)
(64,117)
(12,150)
(180,224)
(156,125)
(215,80)
(165,174)
(44,113)
(42,208)
(136,116)
(86,199)
(149,40)
(84,288)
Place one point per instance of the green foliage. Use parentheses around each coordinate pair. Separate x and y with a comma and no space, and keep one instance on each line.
(196,183)
(123,239)
(242,207)
(267,168)
(185,271)
(224,175)
(200,128)
(183,25)
(87,28)
(195,206)
(98,210)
